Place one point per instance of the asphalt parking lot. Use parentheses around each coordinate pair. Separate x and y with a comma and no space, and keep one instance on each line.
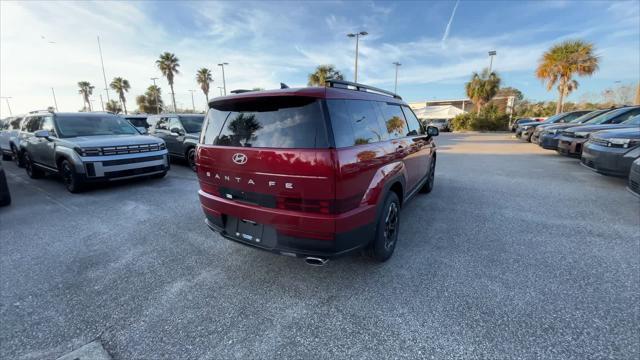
(517,253)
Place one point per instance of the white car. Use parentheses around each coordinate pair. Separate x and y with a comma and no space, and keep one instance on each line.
(9,129)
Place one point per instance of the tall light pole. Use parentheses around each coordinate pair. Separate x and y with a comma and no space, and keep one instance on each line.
(220,88)
(155,92)
(357,36)
(104,76)
(224,81)
(101,102)
(6,98)
(492,53)
(193,104)
(55,102)
(395,88)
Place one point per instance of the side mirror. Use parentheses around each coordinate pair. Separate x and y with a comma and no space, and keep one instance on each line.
(178,131)
(432,131)
(42,134)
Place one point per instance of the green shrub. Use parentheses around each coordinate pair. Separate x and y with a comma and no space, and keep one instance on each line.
(489,119)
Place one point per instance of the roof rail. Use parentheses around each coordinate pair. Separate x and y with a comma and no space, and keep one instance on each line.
(240,91)
(359,87)
(39,111)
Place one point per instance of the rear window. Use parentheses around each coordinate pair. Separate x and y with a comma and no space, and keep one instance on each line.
(267,122)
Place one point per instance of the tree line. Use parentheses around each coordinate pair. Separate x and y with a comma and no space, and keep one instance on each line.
(151,101)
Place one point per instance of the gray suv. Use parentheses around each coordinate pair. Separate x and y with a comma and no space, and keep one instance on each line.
(180,132)
(85,147)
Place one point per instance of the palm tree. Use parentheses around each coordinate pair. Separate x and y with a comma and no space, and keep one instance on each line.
(204,78)
(113,106)
(561,62)
(121,86)
(168,65)
(482,88)
(324,73)
(147,102)
(86,90)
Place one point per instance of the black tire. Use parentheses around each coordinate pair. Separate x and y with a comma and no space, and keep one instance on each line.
(428,186)
(73,182)
(191,159)
(17,157)
(33,171)
(7,157)
(387,229)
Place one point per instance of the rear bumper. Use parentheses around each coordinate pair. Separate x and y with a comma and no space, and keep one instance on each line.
(606,160)
(294,233)
(570,146)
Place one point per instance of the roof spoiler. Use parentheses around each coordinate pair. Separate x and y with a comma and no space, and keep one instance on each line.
(341,84)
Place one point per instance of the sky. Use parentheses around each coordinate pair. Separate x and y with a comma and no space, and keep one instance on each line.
(45,45)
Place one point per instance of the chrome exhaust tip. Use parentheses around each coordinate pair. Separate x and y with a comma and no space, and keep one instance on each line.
(315,261)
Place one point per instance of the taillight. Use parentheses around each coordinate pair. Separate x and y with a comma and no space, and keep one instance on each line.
(304,205)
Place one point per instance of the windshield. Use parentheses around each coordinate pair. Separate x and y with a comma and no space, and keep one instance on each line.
(607,116)
(586,117)
(555,117)
(93,125)
(633,121)
(192,123)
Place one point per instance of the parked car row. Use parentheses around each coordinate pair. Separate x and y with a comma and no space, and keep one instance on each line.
(89,147)
(607,141)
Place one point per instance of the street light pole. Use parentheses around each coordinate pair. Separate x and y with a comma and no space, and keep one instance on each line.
(6,98)
(492,53)
(193,104)
(54,99)
(357,36)
(220,88)
(155,92)
(224,81)
(104,76)
(395,88)
(101,102)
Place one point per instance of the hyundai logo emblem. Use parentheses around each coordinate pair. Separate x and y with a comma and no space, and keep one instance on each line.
(239,158)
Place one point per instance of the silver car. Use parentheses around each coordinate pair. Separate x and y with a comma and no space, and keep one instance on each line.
(87,147)
(9,129)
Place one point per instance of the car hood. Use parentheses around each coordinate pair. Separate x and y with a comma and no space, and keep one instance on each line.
(113,140)
(594,128)
(193,135)
(628,133)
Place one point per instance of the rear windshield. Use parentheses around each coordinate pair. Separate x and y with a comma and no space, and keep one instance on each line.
(267,122)
(78,125)
(192,123)
(439,121)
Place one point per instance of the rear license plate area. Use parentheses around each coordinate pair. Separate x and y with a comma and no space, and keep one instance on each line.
(251,232)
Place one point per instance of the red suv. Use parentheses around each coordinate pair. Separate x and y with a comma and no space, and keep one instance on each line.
(314,172)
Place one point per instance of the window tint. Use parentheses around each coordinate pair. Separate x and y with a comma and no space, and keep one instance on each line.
(192,123)
(415,127)
(162,124)
(31,124)
(47,124)
(15,124)
(175,123)
(340,123)
(214,121)
(395,124)
(279,122)
(626,116)
(92,125)
(366,122)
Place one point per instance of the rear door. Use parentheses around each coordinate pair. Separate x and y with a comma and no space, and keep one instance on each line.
(268,151)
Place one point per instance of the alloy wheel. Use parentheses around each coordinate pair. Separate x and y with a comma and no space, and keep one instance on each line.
(390,226)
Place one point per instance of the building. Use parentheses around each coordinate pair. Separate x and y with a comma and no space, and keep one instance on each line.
(448,109)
